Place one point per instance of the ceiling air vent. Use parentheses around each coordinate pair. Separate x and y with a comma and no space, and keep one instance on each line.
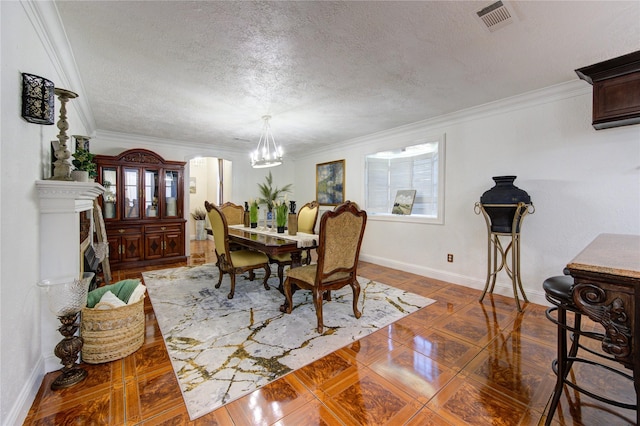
(496,16)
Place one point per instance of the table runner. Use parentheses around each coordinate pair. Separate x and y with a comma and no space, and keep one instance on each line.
(303,240)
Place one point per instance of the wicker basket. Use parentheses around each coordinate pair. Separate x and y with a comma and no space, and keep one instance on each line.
(111,334)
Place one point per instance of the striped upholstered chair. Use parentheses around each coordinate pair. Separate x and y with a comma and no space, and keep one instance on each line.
(237,261)
(341,232)
(307,218)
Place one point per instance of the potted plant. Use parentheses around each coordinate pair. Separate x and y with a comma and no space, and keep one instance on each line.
(85,168)
(253,213)
(199,215)
(269,193)
(281,214)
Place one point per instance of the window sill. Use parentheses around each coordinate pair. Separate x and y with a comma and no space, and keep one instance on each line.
(413,218)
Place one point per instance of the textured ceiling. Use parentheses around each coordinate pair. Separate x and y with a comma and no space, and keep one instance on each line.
(206,72)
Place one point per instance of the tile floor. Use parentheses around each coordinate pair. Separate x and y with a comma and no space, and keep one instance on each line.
(455,362)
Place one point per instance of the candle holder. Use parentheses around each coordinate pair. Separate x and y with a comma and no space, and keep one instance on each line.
(62,165)
(67,297)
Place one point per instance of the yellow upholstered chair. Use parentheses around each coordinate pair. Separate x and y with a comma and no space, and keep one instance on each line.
(307,218)
(233,262)
(233,213)
(341,232)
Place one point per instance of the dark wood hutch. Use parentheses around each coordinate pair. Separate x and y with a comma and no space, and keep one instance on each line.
(616,90)
(142,208)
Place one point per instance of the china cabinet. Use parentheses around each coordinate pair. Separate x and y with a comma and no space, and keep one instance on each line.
(143,208)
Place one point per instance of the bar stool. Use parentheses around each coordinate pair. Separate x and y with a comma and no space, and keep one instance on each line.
(559,292)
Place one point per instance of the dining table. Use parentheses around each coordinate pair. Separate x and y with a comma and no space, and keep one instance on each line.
(270,242)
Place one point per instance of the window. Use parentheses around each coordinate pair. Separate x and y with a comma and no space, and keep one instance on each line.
(418,167)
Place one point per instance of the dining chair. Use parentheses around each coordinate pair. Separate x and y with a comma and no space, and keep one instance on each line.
(233,262)
(233,213)
(307,218)
(340,238)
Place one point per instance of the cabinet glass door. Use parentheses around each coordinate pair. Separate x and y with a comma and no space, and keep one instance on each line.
(110,183)
(151,193)
(171,192)
(131,193)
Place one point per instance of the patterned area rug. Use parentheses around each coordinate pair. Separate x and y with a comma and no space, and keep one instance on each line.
(222,349)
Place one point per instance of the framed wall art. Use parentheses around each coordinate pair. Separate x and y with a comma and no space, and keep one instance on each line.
(404,201)
(330,183)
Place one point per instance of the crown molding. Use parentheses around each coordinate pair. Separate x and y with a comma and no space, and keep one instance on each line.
(153,142)
(566,90)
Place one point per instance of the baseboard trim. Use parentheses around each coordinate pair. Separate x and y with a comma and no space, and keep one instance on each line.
(20,409)
(471,282)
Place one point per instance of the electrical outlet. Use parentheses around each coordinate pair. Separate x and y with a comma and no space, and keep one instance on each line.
(450,258)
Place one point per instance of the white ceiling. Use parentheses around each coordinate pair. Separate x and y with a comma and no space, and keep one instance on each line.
(207,71)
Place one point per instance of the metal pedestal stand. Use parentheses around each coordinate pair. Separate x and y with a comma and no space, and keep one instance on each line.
(495,262)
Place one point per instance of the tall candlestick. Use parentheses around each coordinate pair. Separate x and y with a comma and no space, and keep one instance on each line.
(264,224)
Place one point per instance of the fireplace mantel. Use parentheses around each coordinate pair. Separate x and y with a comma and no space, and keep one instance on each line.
(61,196)
(61,204)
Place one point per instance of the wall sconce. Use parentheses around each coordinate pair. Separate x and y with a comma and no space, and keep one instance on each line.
(37,99)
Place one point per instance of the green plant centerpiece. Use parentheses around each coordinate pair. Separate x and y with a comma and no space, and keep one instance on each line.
(253,213)
(281,214)
(83,161)
(269,193)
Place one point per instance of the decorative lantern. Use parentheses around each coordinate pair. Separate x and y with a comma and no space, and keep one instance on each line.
(37,99)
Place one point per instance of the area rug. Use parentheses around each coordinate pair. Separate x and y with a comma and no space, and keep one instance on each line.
(223,349)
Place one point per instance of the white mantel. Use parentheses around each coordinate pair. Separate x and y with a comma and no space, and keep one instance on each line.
(62,196)
(61,203)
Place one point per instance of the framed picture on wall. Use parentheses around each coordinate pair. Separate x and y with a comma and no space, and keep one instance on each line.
(330,183)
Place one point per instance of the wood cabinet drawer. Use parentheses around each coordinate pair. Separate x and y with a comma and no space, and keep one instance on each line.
(174,227)
(114,231)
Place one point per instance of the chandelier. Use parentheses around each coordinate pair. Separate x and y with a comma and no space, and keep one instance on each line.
(267,154)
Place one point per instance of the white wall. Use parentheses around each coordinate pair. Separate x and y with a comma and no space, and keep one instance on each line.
(582,182)
(24,157)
